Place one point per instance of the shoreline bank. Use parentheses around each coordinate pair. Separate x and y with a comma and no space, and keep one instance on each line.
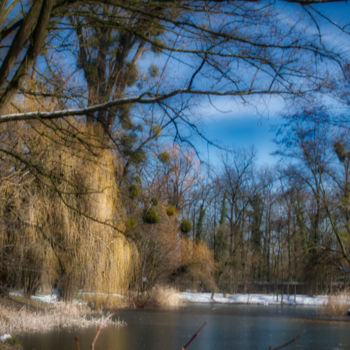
(43,313)
(20,315)
(257,299)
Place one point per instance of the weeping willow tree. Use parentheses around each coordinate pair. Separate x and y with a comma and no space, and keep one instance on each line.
(61,213)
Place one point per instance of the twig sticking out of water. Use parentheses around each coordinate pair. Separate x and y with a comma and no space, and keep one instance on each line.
(96,337)
(77,344)
(193,336)
(92,347)
(287,343)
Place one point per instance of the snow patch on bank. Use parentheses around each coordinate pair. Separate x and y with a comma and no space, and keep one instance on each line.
(193,297)
(46,298)
(261,299)
(50,298)
(5,337)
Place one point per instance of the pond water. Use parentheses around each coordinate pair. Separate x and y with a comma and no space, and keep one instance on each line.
(243,327)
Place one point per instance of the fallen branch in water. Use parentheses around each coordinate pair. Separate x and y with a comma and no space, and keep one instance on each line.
(193,336)
(96,337)
(287,343)
(92,347)
(77,344)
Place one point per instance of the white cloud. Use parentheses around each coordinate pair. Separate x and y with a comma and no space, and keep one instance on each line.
(229,107)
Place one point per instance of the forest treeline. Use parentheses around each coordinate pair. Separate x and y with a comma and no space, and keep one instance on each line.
(101,187)
(281,228)
(240,228)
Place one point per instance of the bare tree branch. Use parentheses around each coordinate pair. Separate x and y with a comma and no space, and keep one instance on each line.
(129,100)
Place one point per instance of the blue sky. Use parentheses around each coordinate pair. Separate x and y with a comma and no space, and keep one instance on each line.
(240,131)
(233,124)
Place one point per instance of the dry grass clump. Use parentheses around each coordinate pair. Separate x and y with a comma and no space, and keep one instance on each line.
(165,297)
(60,315)
(337,304)
(160,296)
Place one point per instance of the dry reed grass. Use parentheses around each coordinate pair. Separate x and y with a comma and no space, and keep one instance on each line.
(337,304)
(165,297)
(14,320)
(160,296)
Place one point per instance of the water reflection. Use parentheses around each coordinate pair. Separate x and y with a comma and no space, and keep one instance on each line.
(228,327)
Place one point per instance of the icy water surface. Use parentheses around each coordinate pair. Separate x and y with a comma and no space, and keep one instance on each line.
(244,327)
